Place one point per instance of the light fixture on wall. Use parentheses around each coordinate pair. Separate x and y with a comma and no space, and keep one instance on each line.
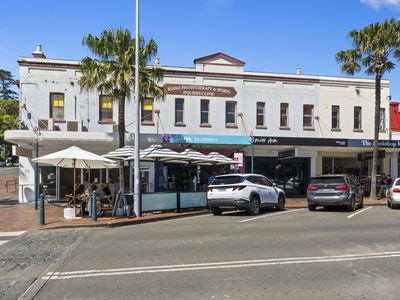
(240,114)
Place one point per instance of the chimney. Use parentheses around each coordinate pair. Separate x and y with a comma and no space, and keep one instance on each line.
(298,71)
(38,53)
(157,61)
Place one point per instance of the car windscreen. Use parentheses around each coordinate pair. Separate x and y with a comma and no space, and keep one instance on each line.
(227,180)
(328,180)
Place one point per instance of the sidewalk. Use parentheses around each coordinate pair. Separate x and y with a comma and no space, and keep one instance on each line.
(24,216)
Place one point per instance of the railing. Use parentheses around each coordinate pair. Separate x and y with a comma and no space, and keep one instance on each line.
(173,201)
(11,183)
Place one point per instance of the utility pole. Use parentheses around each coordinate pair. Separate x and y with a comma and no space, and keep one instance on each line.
(137,200)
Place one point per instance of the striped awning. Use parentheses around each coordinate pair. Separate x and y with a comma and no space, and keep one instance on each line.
(160,154)
(221,159)
(197,158)
(121,153)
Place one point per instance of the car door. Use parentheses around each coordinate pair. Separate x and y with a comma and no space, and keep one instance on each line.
(356,188)
(269,191)
(259,188)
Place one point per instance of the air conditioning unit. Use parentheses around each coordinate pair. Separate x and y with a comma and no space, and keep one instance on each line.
(72,125)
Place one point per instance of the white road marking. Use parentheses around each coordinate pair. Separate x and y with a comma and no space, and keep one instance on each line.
(3,242)
(272,214)
(11,233)
(360,211)
(217,265)
(184,218)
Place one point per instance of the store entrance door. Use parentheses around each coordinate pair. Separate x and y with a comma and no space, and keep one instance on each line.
(291,175)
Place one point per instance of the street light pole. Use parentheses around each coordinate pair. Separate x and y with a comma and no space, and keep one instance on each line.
(252,152)
(137,201)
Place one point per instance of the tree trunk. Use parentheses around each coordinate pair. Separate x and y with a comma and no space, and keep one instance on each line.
(378,78)
(121,137)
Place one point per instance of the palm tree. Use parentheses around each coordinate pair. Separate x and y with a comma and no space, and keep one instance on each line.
(113,72)
(374,48)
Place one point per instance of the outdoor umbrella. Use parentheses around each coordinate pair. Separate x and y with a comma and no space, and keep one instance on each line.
(196,158)
(157,153)
(121,153)
(221,159)
(75,157)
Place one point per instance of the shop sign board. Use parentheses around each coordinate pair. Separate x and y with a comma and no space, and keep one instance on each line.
(197,139)
(238,157)
(369,155)
(294,141)
(287,153)
(19,151)
(370,143)
(199,90)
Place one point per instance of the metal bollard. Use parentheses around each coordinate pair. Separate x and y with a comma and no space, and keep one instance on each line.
(94,212)
(42,209)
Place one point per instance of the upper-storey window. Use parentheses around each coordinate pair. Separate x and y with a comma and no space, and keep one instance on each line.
(335,117)
(382,125)
(357,118)
(230,113)
(57,106)
(284,120)
(106,108)
(179,111)
(204,112)
(308,116)
(260,114)
(147,111)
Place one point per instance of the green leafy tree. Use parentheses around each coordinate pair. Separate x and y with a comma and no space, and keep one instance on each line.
(375,47)
(8,121)
(6,82)
(113,72)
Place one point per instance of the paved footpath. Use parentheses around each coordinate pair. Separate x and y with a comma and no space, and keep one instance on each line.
(22,259)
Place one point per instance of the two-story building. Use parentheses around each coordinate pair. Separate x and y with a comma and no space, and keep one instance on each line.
(292,126)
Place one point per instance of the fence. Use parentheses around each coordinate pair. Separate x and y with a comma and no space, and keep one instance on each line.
(173,201)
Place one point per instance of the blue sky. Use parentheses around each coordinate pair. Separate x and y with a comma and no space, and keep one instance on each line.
(270,36)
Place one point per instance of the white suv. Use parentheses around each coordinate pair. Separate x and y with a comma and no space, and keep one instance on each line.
(244,191)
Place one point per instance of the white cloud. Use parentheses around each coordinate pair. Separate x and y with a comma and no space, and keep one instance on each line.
(379,3)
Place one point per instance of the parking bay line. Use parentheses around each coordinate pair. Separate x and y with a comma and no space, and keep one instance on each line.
(273,214)
(218,265)
(360,211)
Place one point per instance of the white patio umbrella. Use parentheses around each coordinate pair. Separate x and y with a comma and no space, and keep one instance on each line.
(196,158)
(221,159)
(75,157)
(121,154)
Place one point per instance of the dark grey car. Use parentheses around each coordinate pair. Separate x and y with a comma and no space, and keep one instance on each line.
(335,190)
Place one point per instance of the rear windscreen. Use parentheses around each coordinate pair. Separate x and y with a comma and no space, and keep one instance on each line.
(228,180)
(328,180)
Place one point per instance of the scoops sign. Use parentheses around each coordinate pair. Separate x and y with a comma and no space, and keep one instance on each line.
(199,90)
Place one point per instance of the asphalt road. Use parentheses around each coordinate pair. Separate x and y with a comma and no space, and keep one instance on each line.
(295,254)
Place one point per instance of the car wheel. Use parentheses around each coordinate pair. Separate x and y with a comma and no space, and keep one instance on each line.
(216,211)
(361,205)
(312,207)
(352,206)
(254,206)
(390,204)
(281,203)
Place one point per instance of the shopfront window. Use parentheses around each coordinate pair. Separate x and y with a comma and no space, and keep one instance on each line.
(335,117)
(48,181)
(357,118)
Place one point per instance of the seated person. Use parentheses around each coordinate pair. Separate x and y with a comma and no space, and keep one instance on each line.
(105,188)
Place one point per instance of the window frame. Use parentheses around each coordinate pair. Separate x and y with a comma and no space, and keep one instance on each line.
(284,127)
(337,128)
(308,127)
(231,125)
(51,107)
(359,128)
(263,125)
(142,120)
(182,122)
(106,120)
(205,124)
